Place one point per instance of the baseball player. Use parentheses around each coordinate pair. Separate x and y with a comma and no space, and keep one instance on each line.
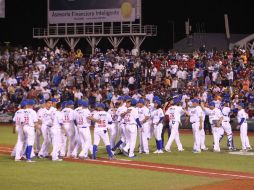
(113,127)
(102,119)
(19,122)
(174,113)
(215,119)
(131,120)
(68,123)
(30,123)
(121,124)
(144,133)
(196,115)
(44,117)
(56,133)
(83,124)
(242,117)
(157,116)
(227,126)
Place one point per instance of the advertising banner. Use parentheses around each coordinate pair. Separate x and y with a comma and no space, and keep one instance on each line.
(91,11)
(2,8)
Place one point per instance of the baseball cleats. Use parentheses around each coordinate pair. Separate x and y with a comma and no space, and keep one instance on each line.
(58,160)
(181,150)
(167,150)
(196,151)
(155,152)
(160,152)
(30,161)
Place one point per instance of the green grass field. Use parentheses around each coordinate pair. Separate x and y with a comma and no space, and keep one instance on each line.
(46,174)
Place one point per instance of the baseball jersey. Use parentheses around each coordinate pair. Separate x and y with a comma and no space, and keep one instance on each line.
(113,114)
(57,120)
(81,117)
(195,114)
(130,118)
(119,111)
(156,115)
(30,117)
(174,113)
(104,117)
(242,114)
(19,117)
(45,116)
(52,111)
(214,115)
(68,116)
(225,112)
(143,112)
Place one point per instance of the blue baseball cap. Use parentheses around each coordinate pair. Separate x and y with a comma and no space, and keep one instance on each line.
(69,103)
(85,103)
(133,102)
(42,101)
(157,102)
(127,98)
(30,102)
(195,100)
(54,100)
(141,101)
(120,98)
(80,102)
(176,100)
(63,104)
(101,105)
(23,103)
(212,104)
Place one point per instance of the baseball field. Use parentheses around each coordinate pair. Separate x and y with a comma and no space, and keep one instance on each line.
(169,171)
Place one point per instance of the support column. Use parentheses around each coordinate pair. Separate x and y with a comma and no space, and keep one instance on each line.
(137,41)
(93,42)
(72,42)
(115,41)
(51,42)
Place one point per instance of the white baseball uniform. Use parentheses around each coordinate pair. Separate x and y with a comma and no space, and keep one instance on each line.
(83,125)
(121,123)
(20,145)
(227,126)
(101,128)
(131,130)
(214,116)
(174,113)
(196,113)
(243,129)
(144,134)
(113,127)
(56,134)
(68,124)
(44,116)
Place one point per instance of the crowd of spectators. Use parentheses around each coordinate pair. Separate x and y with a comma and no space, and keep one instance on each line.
(44,73)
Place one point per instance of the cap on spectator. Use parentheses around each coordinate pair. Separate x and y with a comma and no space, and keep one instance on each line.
(133,102)
(211,104)
(157,102)
(195,100)
(54,100)
(141,101)
(42,101)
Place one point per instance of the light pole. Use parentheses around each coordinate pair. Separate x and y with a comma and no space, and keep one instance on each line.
(173,32)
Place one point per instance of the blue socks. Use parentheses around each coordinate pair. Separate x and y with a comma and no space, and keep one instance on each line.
(117,145)
(28,152)
(159,145)
(94,151)
(108,148)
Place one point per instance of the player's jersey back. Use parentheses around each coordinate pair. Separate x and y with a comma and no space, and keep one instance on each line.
(19,117)
(30,117)
(104,118)
(130,118)
(156,115)
(68,116)
(81,115)
(174,113)
(225,112)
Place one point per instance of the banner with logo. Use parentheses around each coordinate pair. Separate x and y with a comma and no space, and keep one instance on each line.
(91,11)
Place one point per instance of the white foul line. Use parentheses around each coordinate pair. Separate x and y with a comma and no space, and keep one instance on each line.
(176,169)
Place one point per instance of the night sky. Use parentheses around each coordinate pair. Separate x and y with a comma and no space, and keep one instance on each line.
(22,16)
